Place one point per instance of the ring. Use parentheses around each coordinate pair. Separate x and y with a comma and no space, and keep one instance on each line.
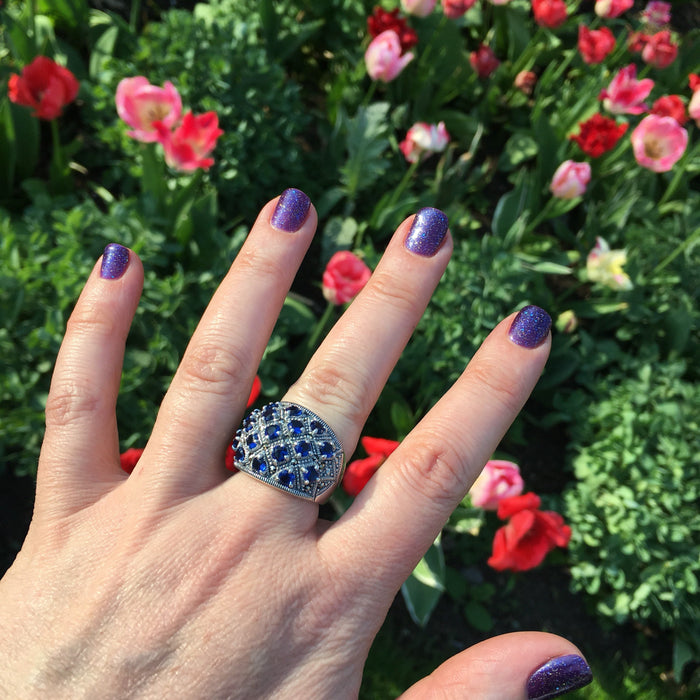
(291,448)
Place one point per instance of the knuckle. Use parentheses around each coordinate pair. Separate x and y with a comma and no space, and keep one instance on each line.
(69,402)
(438,471)
(255,261)
(500,385)
(328,385)
(213,367)
(393,291)
(89,319)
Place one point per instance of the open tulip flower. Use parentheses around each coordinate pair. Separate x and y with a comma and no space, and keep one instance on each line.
(605,266)
(659,142)
(45,86)
(187,148)
(141,105)
(570,180)
(626,94)
(422,140)
(612,8)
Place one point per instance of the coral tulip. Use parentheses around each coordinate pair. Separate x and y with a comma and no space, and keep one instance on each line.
(612,8)
(344,277)
(670,106)
(595,44)
(549,13)
(187,148)
(45,86)
(360,471)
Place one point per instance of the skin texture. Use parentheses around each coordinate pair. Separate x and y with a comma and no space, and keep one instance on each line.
(183,581)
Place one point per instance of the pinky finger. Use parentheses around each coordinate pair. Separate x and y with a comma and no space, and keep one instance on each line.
(79,456)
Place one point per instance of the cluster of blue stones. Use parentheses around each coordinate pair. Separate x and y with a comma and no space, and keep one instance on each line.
(289,447)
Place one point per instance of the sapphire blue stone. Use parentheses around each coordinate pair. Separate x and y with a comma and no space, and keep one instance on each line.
(280,454)
(303,448)
(310,475)
(316,427)
(259,465)
(239,454)
(293,410)
(285,477)
(269,412)
(252,441)
(326,449)
(296,426)
(272,431)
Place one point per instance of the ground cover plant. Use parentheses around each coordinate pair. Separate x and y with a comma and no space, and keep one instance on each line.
(562,140)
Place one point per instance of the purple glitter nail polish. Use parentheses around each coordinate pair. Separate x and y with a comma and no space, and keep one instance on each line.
(530,327)
(291,210)
(558,676)
(115,260)
(427,232)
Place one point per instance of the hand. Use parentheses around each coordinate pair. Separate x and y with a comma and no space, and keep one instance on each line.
(183,581)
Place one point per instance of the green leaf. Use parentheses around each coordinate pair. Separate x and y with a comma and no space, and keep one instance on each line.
(683,654)
(423,588)
(8,148)
(478,616)
(338,234)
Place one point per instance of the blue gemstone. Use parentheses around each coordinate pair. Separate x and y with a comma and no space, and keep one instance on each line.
(259,465)
(285,477)
(268,411)
(310,475)
(303,448)
(327,449)
(239,454)
(293,410)
(272,431)
(235,444)
(252,441)
(296,426)
(280,454)
(317,428)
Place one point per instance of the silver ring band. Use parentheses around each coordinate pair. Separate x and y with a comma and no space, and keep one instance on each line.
(291,448)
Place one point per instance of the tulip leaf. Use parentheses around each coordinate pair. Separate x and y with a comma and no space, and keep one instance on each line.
(423,588)
(8,148)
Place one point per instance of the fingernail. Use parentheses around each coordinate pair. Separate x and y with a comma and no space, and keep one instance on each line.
(530,327)
(115,260)
(426,234)
(291,210)
(558,676)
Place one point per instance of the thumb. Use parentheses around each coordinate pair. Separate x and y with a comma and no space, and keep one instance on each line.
(518,666)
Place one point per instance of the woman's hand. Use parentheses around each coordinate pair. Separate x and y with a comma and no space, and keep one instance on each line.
(183,581)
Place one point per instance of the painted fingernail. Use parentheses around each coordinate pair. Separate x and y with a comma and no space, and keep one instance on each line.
(558,676)
(291,210)
(115,260)
(530,327)
(427,232)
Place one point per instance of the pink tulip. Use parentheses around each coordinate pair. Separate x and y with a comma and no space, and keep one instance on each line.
(454,9)
(484,61)
(141,104)
(499,479)
(658,142)
(525,81)
(657,14)
(625,94)
(570,179)
(383,57)
(187,148)
(612,8)
(422,140)
(419,8)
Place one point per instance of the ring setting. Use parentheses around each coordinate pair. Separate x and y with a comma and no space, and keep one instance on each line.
(291,448)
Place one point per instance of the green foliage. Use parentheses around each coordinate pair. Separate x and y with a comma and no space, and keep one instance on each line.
(633,507)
